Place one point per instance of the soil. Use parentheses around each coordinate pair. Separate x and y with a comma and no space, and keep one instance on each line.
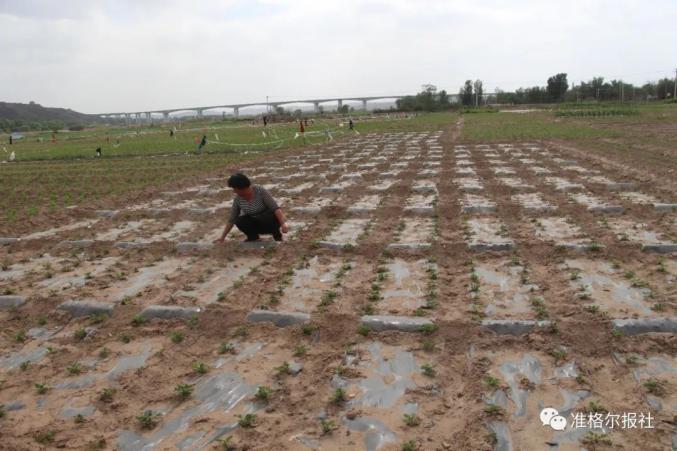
(459,386)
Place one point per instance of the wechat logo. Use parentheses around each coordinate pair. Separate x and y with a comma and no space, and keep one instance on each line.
(551,417)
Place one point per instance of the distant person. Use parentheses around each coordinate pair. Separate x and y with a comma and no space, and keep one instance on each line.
(11,140)
(98,151)
(265,121)
(351,126)
(12,156)
(254,211)
(171,132)
(203,142)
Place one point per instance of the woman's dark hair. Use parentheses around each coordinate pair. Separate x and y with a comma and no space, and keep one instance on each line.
(239,180)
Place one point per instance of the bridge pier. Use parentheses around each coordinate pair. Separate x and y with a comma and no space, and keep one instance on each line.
(165,116)
(340,103)
(138,118)
(364,105)
(149,118)
(236,112)
(316,107)
(199,113)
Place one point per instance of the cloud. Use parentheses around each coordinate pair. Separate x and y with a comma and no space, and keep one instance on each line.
(125,55)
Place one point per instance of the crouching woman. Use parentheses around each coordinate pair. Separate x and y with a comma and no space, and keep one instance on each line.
(254,211)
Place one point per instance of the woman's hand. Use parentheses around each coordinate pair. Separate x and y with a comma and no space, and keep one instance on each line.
(284,228)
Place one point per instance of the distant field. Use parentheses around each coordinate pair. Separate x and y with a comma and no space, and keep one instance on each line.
(51,176)
(647,139)
(222,136)
(497,127)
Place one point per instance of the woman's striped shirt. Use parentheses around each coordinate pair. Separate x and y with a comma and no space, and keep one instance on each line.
(261,201)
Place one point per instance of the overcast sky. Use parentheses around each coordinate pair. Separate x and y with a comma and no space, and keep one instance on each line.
(101,56)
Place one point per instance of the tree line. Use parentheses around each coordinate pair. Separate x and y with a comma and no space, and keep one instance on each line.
(597,89)
(556,89)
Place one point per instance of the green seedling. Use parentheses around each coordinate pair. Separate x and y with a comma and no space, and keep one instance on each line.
(491,381)
(107,394)
(363,330)
(20,336)
(594,439)
(263,393)
(247,420)
(428,345)
(327,426)
(283,369)
(428,329)
(241,331)
(44,437)
(98,319)
(658,307)
(200,367)
(558,354)
(176,337)
(80,334)
(428,369)
(308,329)
(411,419)
(493,410)
(655,387)
(338,396)
(184,390)
(226,443)
(227,348)
(592,308)
(595,246)
(74,368)
(148,419)
(138,320)
(41,388)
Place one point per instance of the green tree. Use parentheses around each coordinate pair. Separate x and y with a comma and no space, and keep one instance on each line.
(557,87)
(443,99)
(479,92)
(466,93)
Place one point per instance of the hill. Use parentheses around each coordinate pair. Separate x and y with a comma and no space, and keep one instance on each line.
(34,112)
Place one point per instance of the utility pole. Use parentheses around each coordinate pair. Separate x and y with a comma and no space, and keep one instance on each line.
(674,96)
(267,107)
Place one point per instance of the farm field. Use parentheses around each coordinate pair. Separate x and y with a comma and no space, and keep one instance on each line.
(445,278)
(49,177)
